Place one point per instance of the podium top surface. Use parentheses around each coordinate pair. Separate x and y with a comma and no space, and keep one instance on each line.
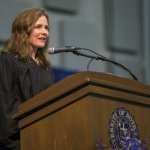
(92,80)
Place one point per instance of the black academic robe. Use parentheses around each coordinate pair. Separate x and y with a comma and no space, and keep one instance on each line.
(19,81)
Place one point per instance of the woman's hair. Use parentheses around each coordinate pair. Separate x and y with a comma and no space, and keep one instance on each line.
(21,30)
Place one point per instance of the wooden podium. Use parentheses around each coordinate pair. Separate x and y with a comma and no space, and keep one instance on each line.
(74,114)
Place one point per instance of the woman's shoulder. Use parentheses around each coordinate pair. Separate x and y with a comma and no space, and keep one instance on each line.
(8,56)
(12,62)
(9,59)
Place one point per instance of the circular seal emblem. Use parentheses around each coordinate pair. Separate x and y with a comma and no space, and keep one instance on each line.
(122,129)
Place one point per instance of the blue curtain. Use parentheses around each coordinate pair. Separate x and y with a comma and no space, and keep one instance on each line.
(60,73)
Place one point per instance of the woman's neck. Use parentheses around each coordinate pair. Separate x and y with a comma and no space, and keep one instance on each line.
(33,55)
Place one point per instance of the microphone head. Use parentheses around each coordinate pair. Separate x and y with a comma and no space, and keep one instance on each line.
(50,50)
(60,50)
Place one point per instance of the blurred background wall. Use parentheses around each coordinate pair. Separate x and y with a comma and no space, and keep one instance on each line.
(117,29)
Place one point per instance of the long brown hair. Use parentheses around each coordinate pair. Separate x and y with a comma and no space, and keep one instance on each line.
(21,29)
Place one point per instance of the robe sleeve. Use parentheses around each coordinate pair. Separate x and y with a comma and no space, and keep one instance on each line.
(8,103)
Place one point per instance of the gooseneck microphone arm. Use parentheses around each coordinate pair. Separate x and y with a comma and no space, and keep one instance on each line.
(107,60)
(77,51)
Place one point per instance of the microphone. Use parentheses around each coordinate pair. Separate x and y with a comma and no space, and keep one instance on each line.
(98,56)
(61,50)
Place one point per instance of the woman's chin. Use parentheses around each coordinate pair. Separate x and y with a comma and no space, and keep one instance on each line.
(41,46)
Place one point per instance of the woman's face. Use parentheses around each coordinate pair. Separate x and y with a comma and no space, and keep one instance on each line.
(39,35)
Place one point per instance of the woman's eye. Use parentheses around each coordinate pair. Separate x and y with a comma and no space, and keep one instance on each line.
(37,26)
(47,28)
(41,26)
